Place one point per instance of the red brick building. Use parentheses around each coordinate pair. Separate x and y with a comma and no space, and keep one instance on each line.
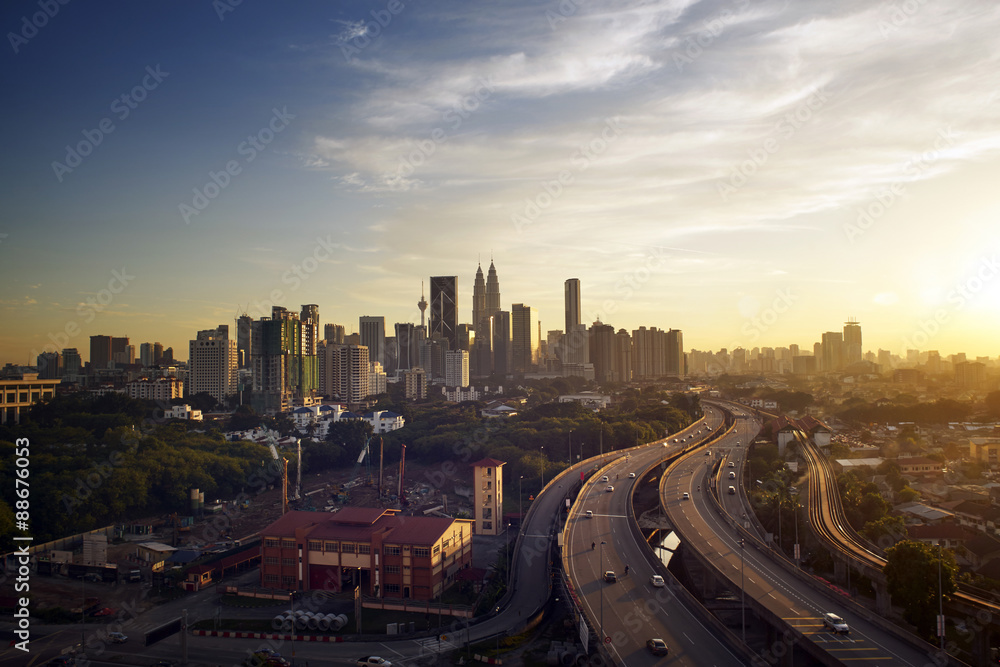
(387,555)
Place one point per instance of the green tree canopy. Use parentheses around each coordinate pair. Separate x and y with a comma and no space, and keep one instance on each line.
(911,572)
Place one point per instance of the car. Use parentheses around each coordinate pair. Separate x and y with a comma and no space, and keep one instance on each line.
(610,488)
(675,439)
(604,478)
(589,514)
(732,475)
(686,496)
(106,611)
(610,577)
(708,452)
(657,646)
(373,660)
(732,490)
(656,581)
(835,623)
(732,464)
(631,475)
(117,637)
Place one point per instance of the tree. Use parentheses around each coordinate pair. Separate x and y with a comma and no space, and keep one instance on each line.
(911,573)
(244,418)
(885,531)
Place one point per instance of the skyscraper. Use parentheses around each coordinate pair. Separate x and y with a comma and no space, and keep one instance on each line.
(675,353)
(833,351)
(243,328)
(120,350)
(333,333)
(212,364)
(478,298)
(444,309)
(71,361)
(572,289)
(146,355)
(492,290)
(100,352)
(524,338)
(372,330)
(602,352)
(407,352)
(502,343)
(456,368)
(282,369)
(852,342)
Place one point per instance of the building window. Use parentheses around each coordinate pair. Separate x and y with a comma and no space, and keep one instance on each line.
(487,525)
(315,545)
(270,578)
(331,547)
(271,542)
(445,543)
(364,548)
(421,552)
(437,549)
(288,562)
(270,560)
(489,472)
(487,512)
(392,588)
(393,551)
(392,569)
(347,547)
(288,582)
(287,543)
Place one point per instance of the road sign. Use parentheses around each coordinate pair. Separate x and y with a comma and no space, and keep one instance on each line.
(607,640)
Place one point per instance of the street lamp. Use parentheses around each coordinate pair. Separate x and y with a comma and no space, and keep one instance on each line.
(543,466)
(571,447)
(795,550)
(520,515)
(940,618)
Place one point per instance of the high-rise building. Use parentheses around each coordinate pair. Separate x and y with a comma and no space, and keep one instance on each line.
(120,352)
(372,330)
(407,346)
(346,372)
(603,343)
(623,356)
(415,383)
(456,368)
(675,353)
(212,364)
(100,352)
(146,355)
(524,338)
(970,375)
(833,351)
(502,353)
(572,289)
(649,356)
(478,297)
(282,370)
(50,365)
(492,290)
(72,364)
(244,328)
(157,353)
(444,309)
(334,333)
(422,305)
(853,352)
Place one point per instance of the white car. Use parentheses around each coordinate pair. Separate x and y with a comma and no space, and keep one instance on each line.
(590,514)
(610,488)
(656,581)
(631,475)
(604,478)
(373,660)
(835,623)
(686,496)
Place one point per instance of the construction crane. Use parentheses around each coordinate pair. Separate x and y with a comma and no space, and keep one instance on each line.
(357,465)
(401,494)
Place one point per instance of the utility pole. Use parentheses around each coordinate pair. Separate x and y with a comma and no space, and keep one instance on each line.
(602,592)
(743,606)
(940,618)
(543,467)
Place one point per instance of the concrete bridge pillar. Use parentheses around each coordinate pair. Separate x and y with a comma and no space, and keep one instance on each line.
(883,601)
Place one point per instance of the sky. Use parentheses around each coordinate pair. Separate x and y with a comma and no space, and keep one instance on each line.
(753,173)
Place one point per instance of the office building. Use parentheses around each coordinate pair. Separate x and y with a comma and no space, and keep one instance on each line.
(372,332)
(334,333)
(282,368)
(244,330)
(603,346)
(50,365)
(444,309)
(524,338)
(346,372)
(100,352)
(72,364)
(121,352)
(833,351)
(212,364)
(146,355)
(19,390)
(415,384)
(675,354)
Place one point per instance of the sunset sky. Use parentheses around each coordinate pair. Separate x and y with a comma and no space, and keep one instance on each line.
(751,172)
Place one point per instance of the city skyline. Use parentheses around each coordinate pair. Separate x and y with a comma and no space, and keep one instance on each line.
(753,174)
